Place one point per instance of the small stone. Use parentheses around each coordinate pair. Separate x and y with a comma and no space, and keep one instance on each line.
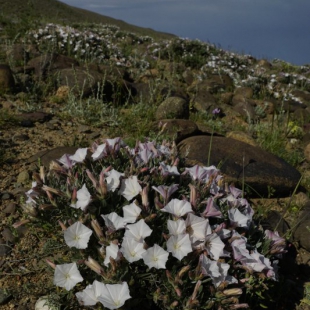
(7,235)
(44,304)
(23,177)
(94,135)
(84,129)
(10,208)
(20,137)
(5,196)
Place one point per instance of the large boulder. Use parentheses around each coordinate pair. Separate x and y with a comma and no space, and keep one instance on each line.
(46,156)
(176,129)
(47,64)
(241,162)
(173,107)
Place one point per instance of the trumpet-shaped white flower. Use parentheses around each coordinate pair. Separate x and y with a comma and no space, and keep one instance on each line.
(132,250)
(237,218)
(111,251)
(67,276)
(113,179)
(113,221)
(89,296)
(83,198)
(178,207)
(168,170)
(197,227)
(79,156)
(138,231)
(176,227)
(114,295)
(214,245)
(155,257)
(66,161)
(179,246)
(101,151)
(130,187)
(131,212)
(166,191)
(77,235)
(216,270)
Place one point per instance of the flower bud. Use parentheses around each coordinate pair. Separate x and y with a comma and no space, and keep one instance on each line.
(98,231)
(62,225)
(51,263)
(42,174)
(193,195)
(94,265)
(145,198)
(232,291)
(239,306)
(102,184)
(92,178)
(20,223)
(174,304)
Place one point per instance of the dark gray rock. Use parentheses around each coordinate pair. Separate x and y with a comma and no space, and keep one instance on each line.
(46,64)
(7,82)
(33,117)
(302,230)
(173,108)
(46,156)
(239,161)
(177,129)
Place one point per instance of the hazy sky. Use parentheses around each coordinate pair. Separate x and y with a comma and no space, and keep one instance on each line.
(264,28)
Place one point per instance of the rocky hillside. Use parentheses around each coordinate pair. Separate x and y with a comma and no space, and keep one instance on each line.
(65,86)
(24,12)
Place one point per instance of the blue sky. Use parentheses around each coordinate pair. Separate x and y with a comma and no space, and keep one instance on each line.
(263,28)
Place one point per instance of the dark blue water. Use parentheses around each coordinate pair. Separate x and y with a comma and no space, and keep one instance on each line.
(263,28)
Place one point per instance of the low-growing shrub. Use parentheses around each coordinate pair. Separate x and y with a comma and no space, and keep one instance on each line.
(145,230)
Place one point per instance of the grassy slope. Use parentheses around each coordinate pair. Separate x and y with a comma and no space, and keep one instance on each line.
(56,11)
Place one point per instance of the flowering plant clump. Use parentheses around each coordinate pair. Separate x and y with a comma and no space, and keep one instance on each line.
(146,230)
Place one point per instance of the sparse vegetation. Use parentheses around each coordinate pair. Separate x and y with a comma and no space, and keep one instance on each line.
(130,71)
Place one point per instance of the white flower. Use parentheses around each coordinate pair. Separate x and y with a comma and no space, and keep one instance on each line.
(179,245)
(79,155)
(138,231)
(155,257)
(89,296)
(132,250)
(83,198)
(113,221)
(176,227)
(66,161)
(130,187)
(197,227)
(178,207)
(216,270)
(113,179)
(100,152)
(111,251)
(114,295)
(215,246)
(237,218)
(168,170)
(131,212)
(77,235)
(67,276)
